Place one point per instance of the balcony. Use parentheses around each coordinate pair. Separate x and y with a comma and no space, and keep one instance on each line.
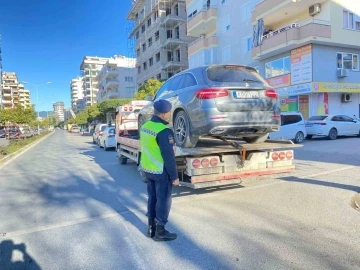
(292,36)
(202,22)
(274,11)
(111,84)
(171,20)
(202,43)
(175,65)
(134,9)
(173,42)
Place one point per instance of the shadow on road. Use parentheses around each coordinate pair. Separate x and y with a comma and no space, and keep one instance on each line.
(11,261)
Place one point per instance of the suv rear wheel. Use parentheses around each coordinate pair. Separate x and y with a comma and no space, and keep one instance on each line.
(182,130)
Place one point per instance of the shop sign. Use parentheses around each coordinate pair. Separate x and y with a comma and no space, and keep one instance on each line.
(294,90)
(279,81)
(301,64)
(336,87)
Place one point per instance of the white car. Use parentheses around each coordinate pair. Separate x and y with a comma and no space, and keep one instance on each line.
(332,126)
(107,138)
(292,128)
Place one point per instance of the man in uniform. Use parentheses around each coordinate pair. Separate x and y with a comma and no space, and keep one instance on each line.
(159,165)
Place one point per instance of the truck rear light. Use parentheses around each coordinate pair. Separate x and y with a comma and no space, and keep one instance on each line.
(282,156)
(205,163)
(196,163)
(275,156)
(125,109)
(130,109)
(289,155)
(271,93)
(276,116)
(210,93)
(100,133)
(214,162)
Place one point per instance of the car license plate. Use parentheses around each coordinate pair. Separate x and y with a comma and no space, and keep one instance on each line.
(246,94)
(207,171)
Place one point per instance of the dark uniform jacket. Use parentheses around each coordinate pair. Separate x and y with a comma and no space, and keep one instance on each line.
(165,140)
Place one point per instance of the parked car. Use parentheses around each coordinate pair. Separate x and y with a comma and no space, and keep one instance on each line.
(218,100)
(107,139)
(292,127)
(2,133)
(99,129)
(332,126)
(75,129)
(14,133)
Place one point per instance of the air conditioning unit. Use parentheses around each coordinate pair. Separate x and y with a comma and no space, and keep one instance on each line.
(314,9)
(346,98)
(342,72)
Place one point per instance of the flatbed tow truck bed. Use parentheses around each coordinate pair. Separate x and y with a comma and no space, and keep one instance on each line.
(220,161)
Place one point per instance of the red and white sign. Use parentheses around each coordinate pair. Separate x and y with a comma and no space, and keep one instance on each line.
(279,81)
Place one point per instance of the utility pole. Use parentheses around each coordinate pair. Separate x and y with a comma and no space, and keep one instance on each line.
(1,72)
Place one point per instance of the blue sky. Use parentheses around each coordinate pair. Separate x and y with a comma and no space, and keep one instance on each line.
(46,40)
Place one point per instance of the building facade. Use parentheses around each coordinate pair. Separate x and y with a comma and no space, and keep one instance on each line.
(223,31)
(309,52)
(80,105)
(117,78)
(161,40)
(90,68)
(76,91)
(59,111)
(14,93)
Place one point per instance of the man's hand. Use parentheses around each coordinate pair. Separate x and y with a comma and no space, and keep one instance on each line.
(176,182)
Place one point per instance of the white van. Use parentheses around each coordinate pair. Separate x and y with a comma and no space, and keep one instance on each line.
(292,128)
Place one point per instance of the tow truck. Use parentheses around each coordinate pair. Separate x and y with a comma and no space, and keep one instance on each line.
(217,161)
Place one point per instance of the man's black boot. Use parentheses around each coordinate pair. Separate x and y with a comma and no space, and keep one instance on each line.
(163,235)
(151,228)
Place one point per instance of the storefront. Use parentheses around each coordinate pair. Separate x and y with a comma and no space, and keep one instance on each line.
(292,77)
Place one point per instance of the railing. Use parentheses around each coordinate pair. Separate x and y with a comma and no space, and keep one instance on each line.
(202,38)
(204,9)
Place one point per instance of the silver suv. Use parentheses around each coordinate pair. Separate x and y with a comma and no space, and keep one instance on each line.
(218,100)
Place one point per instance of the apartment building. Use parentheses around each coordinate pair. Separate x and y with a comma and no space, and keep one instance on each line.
(161,40)
(223,31)
(309,52)
(59,111)
(117,78)
(80,105)
(76,91)
(13,92)
(90,68)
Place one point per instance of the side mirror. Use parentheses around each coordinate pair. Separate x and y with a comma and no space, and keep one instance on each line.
(149,98)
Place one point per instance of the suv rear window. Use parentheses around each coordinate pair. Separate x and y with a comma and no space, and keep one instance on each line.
(317,118)
(290,119)
(233,74)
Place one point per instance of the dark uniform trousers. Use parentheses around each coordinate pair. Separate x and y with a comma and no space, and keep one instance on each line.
(159,200)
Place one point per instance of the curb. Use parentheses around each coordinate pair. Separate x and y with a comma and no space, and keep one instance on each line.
(6,160)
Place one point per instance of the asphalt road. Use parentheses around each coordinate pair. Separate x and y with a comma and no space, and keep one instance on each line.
(66,204)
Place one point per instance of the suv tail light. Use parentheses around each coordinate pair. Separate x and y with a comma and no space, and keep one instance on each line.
(271,93)
(100,133)
(210,93)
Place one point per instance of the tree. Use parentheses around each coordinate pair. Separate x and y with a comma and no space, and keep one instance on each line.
(92,112)
(81,118)
(148,88)
(106,106)
(18,115)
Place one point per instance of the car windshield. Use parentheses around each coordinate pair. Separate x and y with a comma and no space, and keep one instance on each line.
(233,74)
(318,118)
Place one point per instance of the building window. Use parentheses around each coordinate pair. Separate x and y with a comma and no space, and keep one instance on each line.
(168,11)
(143,28)
(144,66)
(170,74)
(177,55)
(137,35)
(151,62)
(351,21)
(177,32)
(157,57)
(170,56)
(144,47)
(158,76)
(176,9)
(149,22)
(149,42)
(129,79)
(277,67)
(138,52)
(225,24)
(156,15)
(157,35)
(169,33)
(139,69)
(348,61)
(249,44)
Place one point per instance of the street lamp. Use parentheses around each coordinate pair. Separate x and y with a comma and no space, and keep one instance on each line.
(37,99)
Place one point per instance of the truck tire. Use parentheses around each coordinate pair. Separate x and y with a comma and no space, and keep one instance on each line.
(182,131)
(258,139)
(122,160)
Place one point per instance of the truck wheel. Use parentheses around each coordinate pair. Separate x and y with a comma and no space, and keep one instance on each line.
(259,139)
(182,130)
(122,160)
